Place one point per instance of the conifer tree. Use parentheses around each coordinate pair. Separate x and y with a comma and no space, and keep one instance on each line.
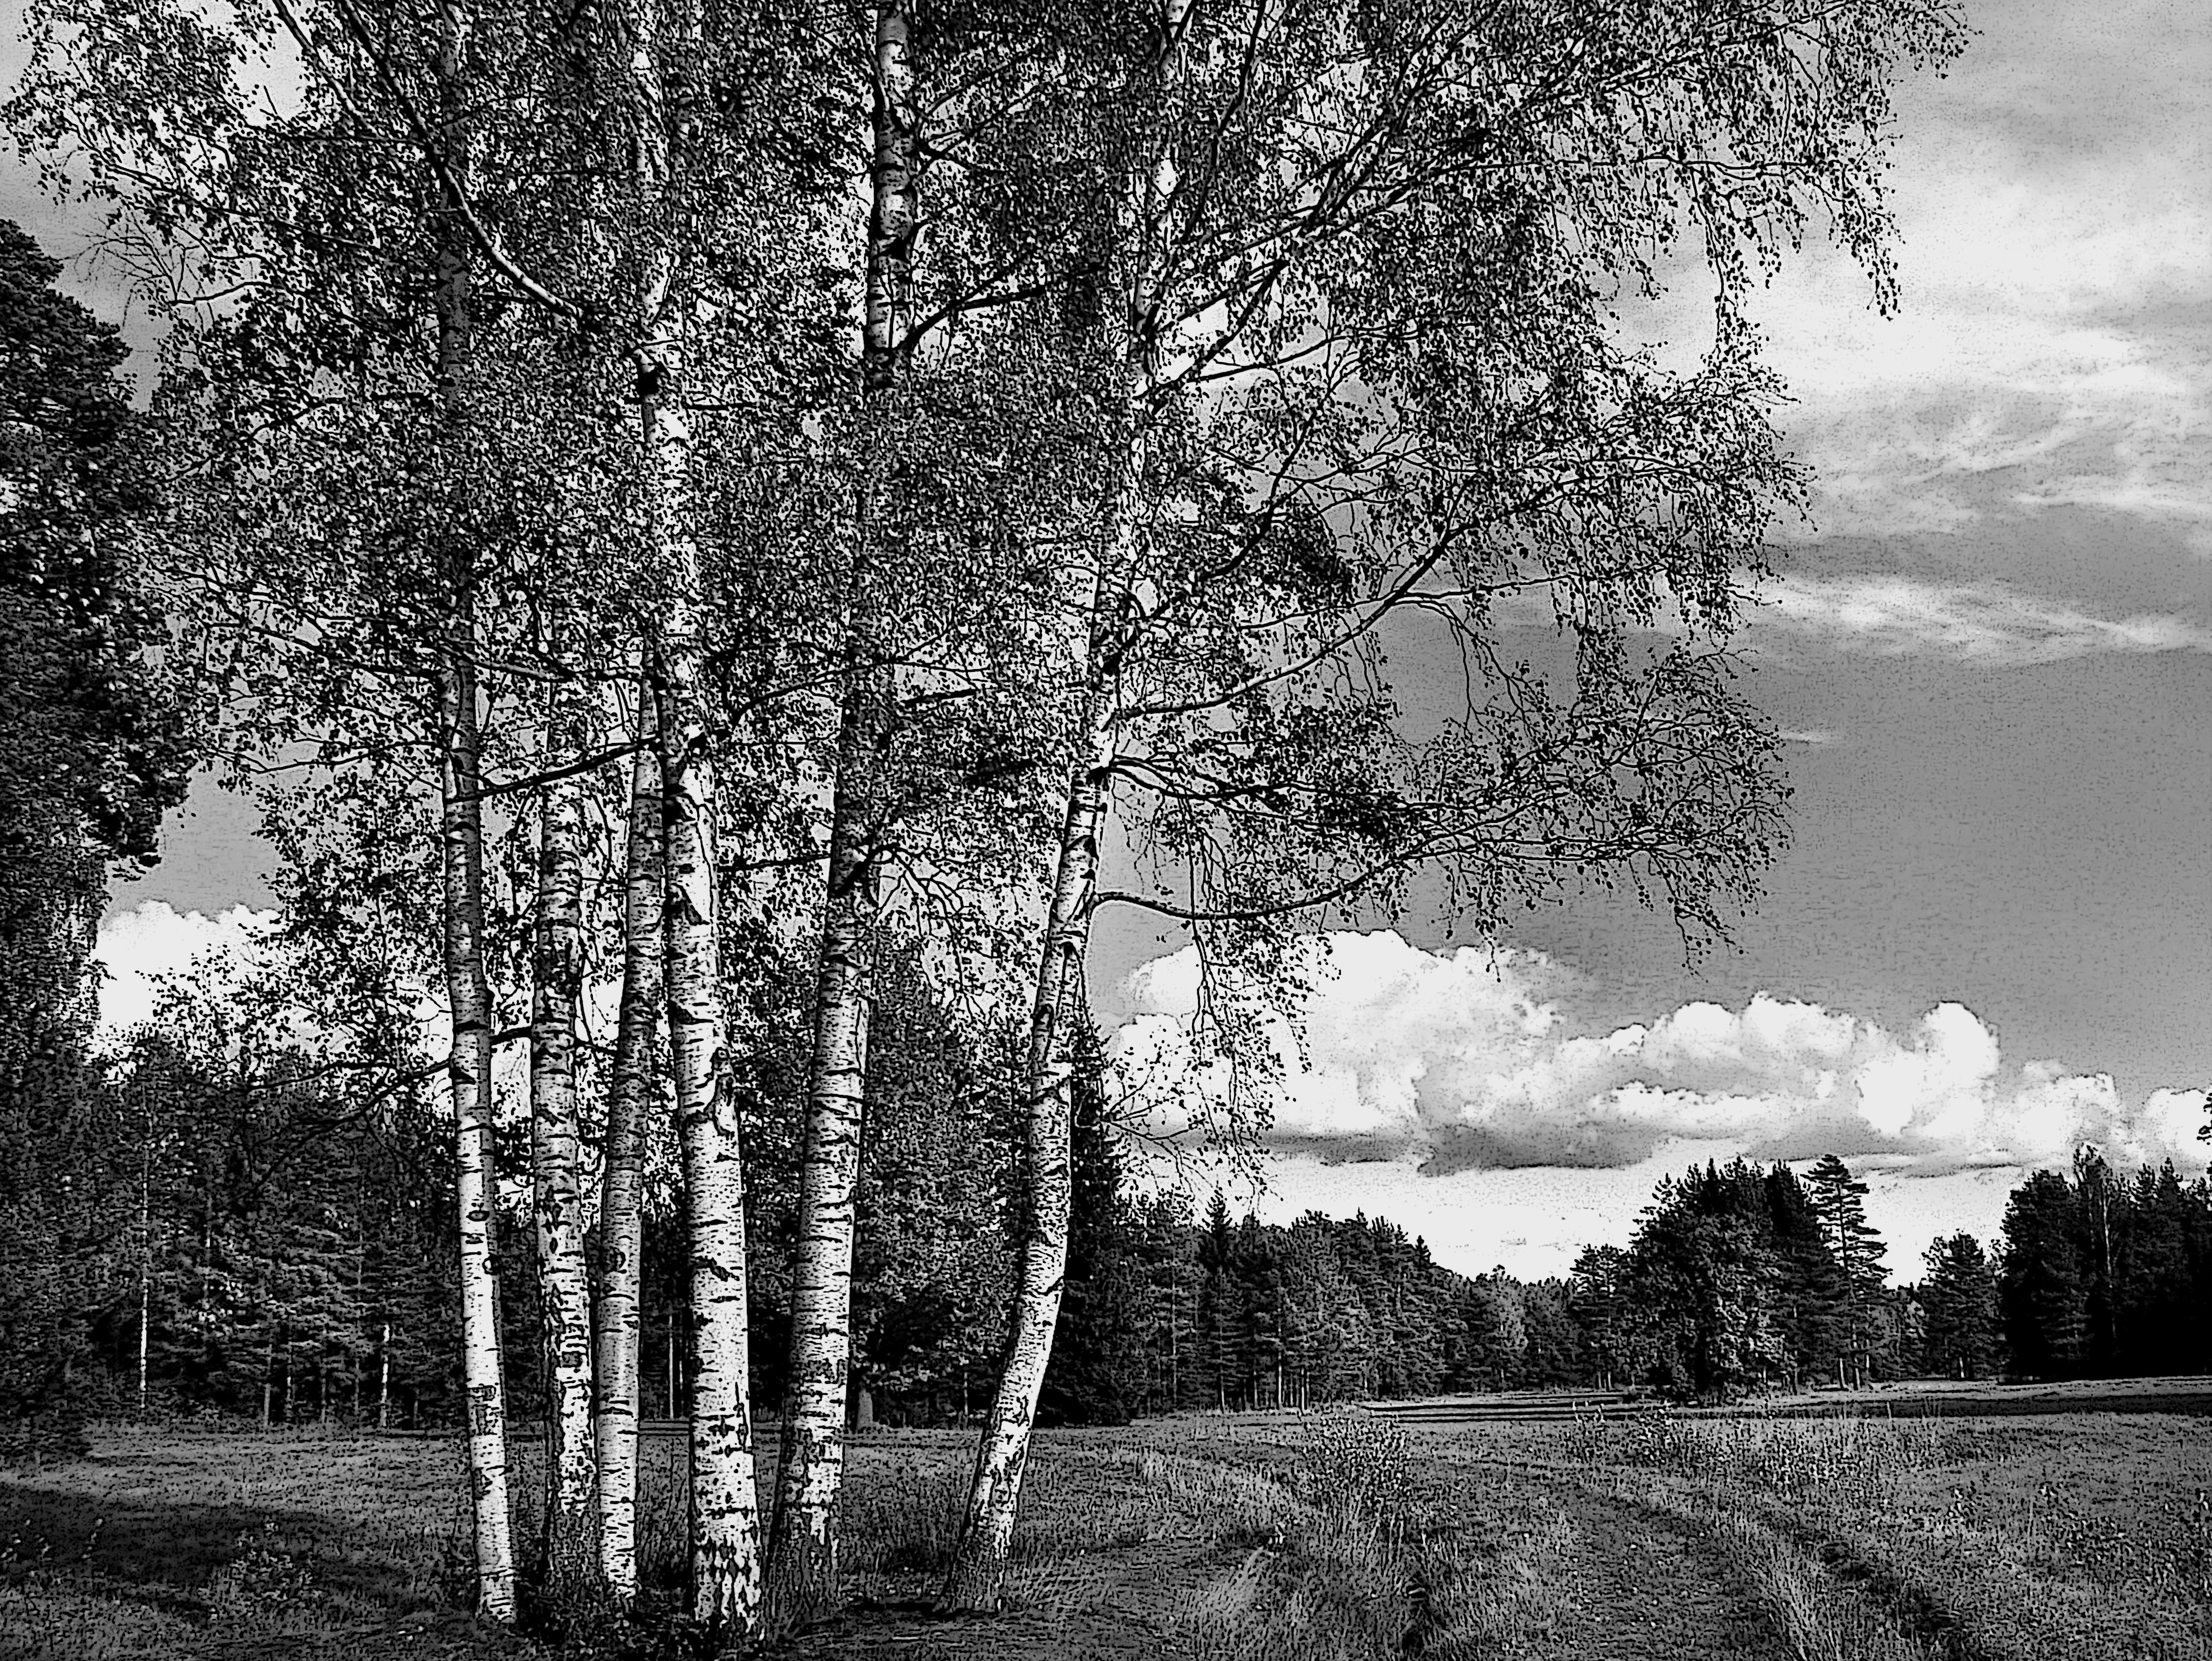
(2043,1286)
(1959,1304)
(1098,1358)
(1838,1200)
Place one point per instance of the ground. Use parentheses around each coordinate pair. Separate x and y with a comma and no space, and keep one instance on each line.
(1966,1536)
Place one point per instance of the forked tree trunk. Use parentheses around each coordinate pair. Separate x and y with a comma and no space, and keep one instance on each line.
(725,1507)
(621,1220)
(804,1579)
(564,1279)
(461,840)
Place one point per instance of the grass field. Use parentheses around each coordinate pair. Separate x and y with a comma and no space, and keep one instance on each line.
(2075,1536)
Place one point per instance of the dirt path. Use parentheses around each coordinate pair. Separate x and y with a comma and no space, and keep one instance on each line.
(1103,1606)
(1615,1583)
(1642,1586)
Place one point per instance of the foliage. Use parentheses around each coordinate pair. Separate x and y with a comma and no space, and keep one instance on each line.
(1728,1286)
(1960,1298)
(93,748)
(2100,1277)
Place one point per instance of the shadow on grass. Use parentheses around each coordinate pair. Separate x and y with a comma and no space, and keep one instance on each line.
(186,1558)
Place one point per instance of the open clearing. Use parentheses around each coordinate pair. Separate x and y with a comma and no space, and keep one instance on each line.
(2080,1535)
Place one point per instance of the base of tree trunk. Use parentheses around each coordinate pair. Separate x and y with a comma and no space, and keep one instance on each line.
(976,1584)
(803,1588)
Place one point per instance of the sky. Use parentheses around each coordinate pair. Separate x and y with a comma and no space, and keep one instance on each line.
(1992,650)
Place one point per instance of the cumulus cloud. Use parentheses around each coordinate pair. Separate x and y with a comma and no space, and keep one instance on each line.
(138,947)
(1464,1061)
(1893,616)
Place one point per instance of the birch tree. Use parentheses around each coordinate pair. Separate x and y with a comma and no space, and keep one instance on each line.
(803,1561)
(939,650)
(631,1094)
(1365,258)
(557,978)
(341,505)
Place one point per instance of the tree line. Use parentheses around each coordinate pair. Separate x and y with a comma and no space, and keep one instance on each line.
(671,508)
(1743,1277)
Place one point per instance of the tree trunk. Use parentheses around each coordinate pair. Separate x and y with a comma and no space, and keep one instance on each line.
(461,843)
(470,1076)
(976,1578)
(621,1220)
(725,1508)
(564,1283)
(803,1567)
(803,1570)
(145,1313)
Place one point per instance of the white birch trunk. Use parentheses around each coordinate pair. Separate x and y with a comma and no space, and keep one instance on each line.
(803,1558)
(725,1507)
(470,1074)
(803,1569)
(976,1577)
(564,1281)
(620,1219)
(468,994)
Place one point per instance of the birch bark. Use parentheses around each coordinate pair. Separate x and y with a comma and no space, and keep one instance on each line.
(725,1508)
(621,1226)
(571,1552)
(461,843)
(803,1553)
(976,1577)
(470,1076)
(803,1569)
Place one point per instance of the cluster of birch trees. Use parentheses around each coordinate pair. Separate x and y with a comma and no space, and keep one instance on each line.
(665,485)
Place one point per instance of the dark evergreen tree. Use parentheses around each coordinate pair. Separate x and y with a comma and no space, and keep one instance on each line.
(1098,1372)
(92,751)
(2100,1236)
(1838,1200)
(1960,1310)
(2043,1290)
(2164,1301)
(1549,1359)
(1605,1332)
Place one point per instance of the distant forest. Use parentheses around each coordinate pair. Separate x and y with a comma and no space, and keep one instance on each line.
(213,1233)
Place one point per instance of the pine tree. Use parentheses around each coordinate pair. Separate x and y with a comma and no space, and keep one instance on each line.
(2043,1287)
(1838,1200)
(1959,1309)
(1097,1372)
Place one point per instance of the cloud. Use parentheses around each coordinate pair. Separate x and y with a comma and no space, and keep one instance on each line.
(2054,342)
(1984,623)
(152,940)
(1464,1061)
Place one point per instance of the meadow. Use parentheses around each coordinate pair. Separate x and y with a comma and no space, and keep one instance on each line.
(1261,1538)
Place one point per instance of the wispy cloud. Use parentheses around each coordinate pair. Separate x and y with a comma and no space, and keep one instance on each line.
(2054,196)
(1894,616)
(1464,1061)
